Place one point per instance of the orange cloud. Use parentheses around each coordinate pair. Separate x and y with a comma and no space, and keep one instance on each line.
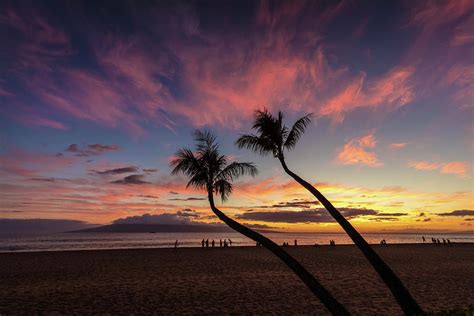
(458,168)
(354,152)
(424,165)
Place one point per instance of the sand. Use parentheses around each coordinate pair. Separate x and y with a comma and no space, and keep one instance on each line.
(234,280)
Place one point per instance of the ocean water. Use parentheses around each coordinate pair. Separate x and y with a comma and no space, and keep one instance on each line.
(82,241)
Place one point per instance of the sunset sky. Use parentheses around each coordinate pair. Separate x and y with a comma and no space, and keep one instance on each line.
(96,97)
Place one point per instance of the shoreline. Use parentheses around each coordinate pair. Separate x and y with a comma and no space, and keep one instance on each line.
(229,280)
(236,247)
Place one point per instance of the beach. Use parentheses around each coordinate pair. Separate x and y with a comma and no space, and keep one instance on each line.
(238,280)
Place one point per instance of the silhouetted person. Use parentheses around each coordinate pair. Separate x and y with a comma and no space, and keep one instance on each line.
(444,241)
(230,242)
(449,241)
(438,242)
(176,244)
(220,243)
(225,243)
(433,240)
(296,242)
(213,244)
(202,243)
(207,243)
(423,237)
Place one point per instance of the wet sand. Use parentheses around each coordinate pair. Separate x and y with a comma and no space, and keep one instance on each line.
(246,280)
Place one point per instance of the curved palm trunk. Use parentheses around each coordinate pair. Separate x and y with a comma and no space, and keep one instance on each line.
(326,298)
(401,294)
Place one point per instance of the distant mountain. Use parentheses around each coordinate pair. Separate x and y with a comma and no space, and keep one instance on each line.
(154,228)
(40,226)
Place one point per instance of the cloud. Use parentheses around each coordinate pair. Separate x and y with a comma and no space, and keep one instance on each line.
(150,170)
(188,199)
(458,213)
(304,216)
(184,217)
(298,203)
(392,90)
(458,168)
(398,145)
(132,179)
(91,150)
(355,152)
(118,170)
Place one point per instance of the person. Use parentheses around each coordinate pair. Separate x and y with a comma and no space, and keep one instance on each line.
(220,243)
(213,243)
(230,242)
(449,241)
(423,237)
(296,243)
(438,242)
(225,243)
(444,241)
(207,243)
(202,243)
(176,244)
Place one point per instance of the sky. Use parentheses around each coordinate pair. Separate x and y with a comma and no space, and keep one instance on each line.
(97,96)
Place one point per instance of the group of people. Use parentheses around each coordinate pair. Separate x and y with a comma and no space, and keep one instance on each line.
(332,243)
(437,241)
(383,242)
(286,244)
(222,243)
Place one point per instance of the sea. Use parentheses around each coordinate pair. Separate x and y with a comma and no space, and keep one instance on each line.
(95,241)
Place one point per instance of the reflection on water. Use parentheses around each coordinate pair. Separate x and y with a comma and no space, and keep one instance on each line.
(81,241)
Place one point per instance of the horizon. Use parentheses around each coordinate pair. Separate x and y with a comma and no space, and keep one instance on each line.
(96,98)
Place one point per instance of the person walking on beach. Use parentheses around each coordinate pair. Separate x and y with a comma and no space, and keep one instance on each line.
(202,243)
(423,237)
(220,243)
(296,242)
(207,243)
(176,244)
(230,242)
(225,243)
(212,244)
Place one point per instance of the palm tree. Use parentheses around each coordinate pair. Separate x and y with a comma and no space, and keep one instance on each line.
(272,136)
(209,170)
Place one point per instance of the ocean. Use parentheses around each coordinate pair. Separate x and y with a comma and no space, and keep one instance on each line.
(85,241)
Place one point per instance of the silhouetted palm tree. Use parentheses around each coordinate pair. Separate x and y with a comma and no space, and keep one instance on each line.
(272,136)
(209,170)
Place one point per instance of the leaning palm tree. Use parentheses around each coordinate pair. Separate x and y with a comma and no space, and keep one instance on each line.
(272,136)
(209,170)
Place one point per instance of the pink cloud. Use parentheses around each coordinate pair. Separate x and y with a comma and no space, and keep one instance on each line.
(354,152)
(398,145)
(46,122)
(25,163)
(393,90)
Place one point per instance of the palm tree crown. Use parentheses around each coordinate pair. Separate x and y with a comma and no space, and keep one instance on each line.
(207,168)
(273,136)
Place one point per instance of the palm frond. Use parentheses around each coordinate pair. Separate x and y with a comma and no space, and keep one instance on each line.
(297,130)
(236,170)
(255,143)
(223,188)
(185,162)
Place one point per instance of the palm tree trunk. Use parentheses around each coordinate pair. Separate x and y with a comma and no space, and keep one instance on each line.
(324,296)
(401,294)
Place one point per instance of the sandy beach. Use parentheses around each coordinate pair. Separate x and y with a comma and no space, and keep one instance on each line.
(233,280)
